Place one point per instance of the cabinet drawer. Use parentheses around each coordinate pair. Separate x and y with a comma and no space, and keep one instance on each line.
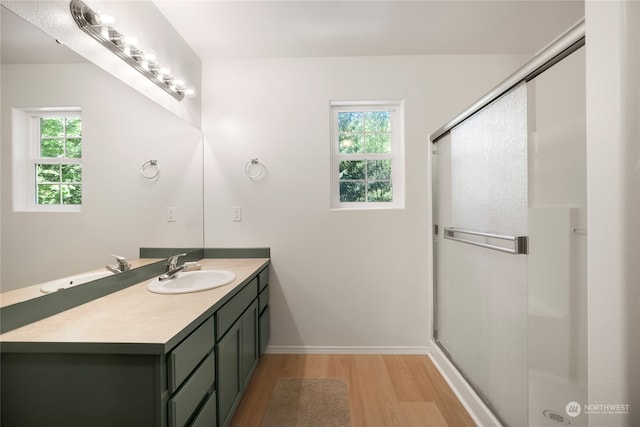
(186,401)
(230,312)
(263,299)
(186,356)
(208,415)
(263,278)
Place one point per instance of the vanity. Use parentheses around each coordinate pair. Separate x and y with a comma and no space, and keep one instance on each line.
(137,358)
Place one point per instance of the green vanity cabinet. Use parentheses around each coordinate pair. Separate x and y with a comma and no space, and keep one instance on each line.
(239,345)
(264,323)
(263,320)
(88,388)
(237,357)
(249,353)
(185,357)
(79,390)
(191,375)
(197,379)
(229,376)
(208,416)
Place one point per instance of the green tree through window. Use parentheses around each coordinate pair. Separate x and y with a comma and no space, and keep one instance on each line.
(58,169)
(365,156)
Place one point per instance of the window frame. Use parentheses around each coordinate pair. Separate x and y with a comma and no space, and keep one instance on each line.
(396,153)
(26,187)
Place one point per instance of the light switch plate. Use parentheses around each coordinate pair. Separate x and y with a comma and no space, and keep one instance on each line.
(171,214)
(236,213)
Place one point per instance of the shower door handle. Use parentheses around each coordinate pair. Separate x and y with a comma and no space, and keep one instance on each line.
(518,245)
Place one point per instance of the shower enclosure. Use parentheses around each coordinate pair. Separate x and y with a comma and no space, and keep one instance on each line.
(509,214)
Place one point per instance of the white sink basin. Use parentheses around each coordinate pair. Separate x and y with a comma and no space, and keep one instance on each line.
(71,281)
(192,281)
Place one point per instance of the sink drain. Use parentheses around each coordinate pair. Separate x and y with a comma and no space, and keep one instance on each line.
(557,417)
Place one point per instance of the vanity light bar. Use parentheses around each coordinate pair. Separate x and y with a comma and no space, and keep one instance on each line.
(127,49)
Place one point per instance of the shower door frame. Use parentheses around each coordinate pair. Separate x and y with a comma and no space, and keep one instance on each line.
(566,44)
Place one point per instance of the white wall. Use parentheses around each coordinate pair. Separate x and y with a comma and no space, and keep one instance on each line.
(613,171)
(121,210)
(354,280)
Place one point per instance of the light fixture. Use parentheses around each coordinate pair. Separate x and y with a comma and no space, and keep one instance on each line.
(102,28)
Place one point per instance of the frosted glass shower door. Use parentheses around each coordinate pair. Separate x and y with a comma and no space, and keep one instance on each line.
(558,236)
(481,202)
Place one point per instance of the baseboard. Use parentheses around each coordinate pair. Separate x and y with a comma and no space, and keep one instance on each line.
(481,415)
(278,349)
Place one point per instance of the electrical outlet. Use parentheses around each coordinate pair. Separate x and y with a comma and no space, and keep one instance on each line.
(171,214)
(236,213)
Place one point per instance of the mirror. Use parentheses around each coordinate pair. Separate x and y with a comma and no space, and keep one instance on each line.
(122,130)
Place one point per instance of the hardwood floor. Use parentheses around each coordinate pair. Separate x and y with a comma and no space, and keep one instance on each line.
(384,390)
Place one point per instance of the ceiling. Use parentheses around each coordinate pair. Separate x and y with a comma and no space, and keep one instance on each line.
(301,28)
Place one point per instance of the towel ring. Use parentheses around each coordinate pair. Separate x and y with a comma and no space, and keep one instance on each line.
(254,169)
(148,167)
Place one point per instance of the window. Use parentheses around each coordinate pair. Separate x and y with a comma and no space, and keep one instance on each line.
(50,173)
(367,155)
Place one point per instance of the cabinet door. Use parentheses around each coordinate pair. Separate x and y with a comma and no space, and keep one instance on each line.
(264,330)
(229,375)
(249,355)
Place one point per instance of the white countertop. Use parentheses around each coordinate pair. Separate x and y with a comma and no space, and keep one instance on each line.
(29,292)
(134,315)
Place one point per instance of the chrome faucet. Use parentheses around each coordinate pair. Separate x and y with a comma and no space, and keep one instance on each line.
(122,265)
(172,268)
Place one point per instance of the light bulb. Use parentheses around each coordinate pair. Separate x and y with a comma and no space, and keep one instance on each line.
(131,41)
(90,16)
(106,23)
(132,48)
(151,57)
(106,20)
(151,62)
(189,92)
(166,76)
(115,37)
